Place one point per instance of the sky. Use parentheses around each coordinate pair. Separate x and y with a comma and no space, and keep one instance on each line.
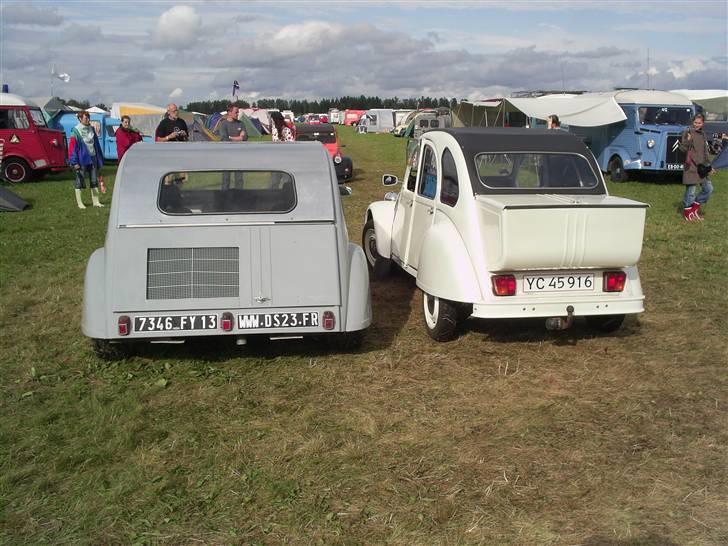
(184,51)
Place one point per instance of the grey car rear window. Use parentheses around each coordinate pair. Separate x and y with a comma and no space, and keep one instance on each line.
(519,170)
(226,192)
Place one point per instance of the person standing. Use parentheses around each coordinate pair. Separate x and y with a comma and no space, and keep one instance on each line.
(172,128)
(279,130)
(86,158)
(695,145)
(552,122)
(231,129)
(126,136)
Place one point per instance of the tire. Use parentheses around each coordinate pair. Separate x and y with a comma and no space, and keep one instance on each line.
(617,173)
(346,341)
(379,267)
(16,171)
(605,323)
(106,350)
(441,317)
(464,311)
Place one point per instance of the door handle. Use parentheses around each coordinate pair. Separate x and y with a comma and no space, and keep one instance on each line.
(261,299)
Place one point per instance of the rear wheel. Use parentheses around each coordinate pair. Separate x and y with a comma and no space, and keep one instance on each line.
(441,317)
(605,323)
(379,266)
(617,173)
(15,170)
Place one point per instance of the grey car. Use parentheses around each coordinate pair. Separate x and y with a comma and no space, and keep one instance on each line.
(227,240)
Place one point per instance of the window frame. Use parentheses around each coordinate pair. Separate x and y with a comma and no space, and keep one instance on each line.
(421,184)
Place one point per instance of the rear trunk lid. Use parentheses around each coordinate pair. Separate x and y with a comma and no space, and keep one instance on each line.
(560,231)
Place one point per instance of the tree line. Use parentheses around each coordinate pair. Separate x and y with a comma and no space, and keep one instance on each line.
(324,105)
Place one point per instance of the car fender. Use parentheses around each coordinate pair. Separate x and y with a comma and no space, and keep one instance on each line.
(382,213)
(93,319)
(445,269)
(359,304)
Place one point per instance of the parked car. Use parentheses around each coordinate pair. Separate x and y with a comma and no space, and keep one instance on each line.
(239,241)
(30,148)
(326,134)
(508,223)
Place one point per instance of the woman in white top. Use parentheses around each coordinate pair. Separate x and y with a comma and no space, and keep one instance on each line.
(279,131)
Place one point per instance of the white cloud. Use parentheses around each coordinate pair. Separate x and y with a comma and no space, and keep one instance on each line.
(686,67)
(28,14)
(178,28)
(176,93)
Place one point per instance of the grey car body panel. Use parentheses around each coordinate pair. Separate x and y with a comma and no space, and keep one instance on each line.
(296,261)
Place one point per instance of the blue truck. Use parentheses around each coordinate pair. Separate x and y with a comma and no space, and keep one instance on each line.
(647,141)
(104,125)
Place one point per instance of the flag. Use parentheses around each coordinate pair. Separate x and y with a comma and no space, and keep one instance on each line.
(64,77)
(236,86)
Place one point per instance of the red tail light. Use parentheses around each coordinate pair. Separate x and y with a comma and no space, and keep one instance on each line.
(124,325)
(614,281)
(504,285)
(329,321)
(227,321)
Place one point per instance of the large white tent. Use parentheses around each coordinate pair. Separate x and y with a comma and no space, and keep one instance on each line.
(714,101)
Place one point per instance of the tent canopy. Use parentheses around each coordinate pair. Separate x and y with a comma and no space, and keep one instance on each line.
(119,109)
(714,101)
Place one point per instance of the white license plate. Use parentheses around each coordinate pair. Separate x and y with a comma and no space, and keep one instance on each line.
(558,283)
(254,321)
(171,323)
(674,166)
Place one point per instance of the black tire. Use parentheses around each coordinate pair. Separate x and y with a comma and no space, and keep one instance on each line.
(464,311)
(346,341)
(441,317)
(106,350)
(16,171)
(605,323)
(379,267)
(617,172)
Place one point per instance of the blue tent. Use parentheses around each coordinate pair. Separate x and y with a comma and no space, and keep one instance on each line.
(721,160)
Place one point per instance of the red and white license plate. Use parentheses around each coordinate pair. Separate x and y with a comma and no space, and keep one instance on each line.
(558,283)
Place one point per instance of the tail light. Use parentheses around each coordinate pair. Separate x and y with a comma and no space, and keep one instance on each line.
(614,281)
(504,285)
(227,321)
(124,325)
(329,321)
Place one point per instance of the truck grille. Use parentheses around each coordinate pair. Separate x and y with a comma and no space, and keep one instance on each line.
(673,153)
(181,273)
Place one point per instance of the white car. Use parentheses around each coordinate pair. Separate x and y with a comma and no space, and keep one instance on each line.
(508,223)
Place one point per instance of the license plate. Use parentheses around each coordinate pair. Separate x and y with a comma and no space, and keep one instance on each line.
(171,323)
(277,320)
(558,283)
(674,166)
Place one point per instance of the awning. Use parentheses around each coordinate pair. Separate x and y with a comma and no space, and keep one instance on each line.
(714,101)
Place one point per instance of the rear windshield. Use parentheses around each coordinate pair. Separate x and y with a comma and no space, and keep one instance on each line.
(230,192)
(534,171)
(327,137)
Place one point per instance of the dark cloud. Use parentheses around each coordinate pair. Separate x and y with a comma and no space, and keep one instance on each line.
(28,14)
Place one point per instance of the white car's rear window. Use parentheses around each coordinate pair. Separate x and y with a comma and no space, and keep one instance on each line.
(531,171)
(229,192)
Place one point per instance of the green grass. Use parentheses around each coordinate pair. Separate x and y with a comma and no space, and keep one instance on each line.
(509,435)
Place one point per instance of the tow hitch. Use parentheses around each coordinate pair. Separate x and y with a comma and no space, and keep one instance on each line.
(561,323)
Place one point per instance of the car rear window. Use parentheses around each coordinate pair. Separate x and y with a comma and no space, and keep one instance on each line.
(327,137)
(228,192)
(519,170)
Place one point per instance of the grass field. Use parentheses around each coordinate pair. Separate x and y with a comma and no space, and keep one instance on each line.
(509,435)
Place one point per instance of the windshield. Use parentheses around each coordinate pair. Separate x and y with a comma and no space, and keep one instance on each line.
(520,170)
(38,118)
(325,137)
(665,115)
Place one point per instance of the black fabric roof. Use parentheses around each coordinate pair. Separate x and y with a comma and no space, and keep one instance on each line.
(516,139)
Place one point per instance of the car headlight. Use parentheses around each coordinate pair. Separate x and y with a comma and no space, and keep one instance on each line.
(337,159)
(651,143)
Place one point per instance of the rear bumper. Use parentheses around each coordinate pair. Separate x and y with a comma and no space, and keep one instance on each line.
(514,307)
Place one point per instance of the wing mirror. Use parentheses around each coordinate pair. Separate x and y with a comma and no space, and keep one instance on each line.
(344,190)
(390,180)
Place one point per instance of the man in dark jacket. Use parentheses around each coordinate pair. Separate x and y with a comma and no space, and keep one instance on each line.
(695,145)
(172,128)
(85,157)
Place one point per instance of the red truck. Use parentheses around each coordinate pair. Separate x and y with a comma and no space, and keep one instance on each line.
(29,148)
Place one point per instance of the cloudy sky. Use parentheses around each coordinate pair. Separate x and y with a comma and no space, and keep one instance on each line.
(157,51)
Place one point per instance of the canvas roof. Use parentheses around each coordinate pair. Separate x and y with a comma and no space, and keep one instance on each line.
(119,109)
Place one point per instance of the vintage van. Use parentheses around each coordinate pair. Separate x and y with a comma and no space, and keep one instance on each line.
(30,147)
(647,141)
(223,239)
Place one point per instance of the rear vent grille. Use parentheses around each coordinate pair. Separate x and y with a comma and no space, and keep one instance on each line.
(181,273)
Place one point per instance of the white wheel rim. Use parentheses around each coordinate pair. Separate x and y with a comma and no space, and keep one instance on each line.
(370,239)
(431,317)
